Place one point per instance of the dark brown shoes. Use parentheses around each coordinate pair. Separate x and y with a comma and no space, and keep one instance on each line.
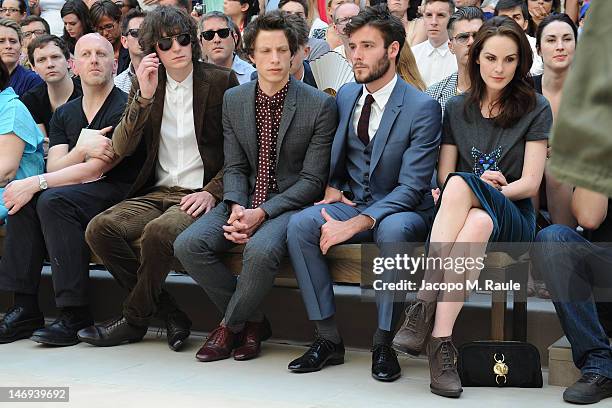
(250,342)
(218,345)
(442,356)
(417,327)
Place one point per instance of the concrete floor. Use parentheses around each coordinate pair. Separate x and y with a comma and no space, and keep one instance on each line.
(148,374)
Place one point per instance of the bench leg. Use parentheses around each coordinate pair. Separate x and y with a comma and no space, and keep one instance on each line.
(519,309)
(498,314)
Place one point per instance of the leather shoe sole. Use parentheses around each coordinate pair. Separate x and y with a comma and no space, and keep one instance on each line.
(54,341)
(387,378)
(446,393)
(577,398)
(19,335)
(329,361)
(208,359)
(403,349)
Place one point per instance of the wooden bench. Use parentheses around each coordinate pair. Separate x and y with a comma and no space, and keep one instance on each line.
(345,262)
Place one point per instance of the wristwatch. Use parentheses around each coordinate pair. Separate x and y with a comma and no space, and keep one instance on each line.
(42,182)
(142,101)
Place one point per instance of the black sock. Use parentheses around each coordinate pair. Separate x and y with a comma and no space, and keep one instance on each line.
(77,313)
(382,337)
(27,301)
(328,330)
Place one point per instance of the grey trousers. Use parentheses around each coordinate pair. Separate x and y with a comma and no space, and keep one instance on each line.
(238,299)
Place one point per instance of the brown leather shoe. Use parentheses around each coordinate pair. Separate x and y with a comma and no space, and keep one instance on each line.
(252,336)
(417,327)
(442,356)
(218,345)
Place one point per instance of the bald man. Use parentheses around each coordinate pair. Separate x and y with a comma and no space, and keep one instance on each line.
(51,211)
(341,16)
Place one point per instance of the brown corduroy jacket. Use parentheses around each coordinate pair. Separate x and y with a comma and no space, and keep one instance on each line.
(144,124)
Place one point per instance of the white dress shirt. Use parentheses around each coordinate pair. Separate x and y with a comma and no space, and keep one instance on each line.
(179,163)
(381,97)
(434,64)
(537,68)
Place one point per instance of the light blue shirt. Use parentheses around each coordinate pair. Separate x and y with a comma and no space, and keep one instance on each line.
(15,118)
(242,69)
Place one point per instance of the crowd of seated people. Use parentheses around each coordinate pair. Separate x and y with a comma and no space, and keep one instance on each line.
(192,134)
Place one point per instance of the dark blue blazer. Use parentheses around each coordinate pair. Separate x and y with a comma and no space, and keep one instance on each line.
(404,153)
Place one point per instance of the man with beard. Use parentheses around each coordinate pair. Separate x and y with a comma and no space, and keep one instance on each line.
(382,119)
(106,18)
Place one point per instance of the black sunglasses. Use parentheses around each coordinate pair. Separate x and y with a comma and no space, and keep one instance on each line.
(133,32)
(165,43)
(210,34)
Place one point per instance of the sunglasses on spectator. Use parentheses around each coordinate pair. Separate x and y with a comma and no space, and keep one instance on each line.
(10,10)
(165,43)
(343,21)
(463,38)
(133,32)
(38,33)
(106,27)
(208,35)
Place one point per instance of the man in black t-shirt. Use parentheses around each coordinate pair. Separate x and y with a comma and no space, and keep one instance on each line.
(48,56)
(83,178)
(577,273)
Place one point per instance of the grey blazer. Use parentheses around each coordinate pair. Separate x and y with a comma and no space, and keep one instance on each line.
(307,127)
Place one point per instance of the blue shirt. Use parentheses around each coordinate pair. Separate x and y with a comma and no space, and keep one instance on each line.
(15,118)
(22,80)
(242,69)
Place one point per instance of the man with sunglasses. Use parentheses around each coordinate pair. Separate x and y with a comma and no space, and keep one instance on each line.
(130,27)
(175,108)
(219,40)
(106,18)
(462,27)
(278,134)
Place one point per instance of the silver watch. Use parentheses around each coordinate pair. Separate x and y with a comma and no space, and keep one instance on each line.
(42,182)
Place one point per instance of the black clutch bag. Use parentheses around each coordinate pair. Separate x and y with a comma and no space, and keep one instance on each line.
(499,364)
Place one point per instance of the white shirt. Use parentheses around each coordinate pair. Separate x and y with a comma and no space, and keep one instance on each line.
(381,97)
(179,162)
(434,64)
(537,68)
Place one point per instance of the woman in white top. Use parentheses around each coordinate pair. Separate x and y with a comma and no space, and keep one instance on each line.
(50,11)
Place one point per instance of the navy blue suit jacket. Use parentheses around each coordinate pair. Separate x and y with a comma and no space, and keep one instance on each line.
(404,153)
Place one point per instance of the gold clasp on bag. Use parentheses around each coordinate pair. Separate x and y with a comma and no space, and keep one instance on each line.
(500,369)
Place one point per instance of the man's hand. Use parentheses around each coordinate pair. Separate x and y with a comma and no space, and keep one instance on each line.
(94,144)
(241,229)
(333,195)
(147,74)
(538,13)
(19,192)
(196,203)
(494,178)
(335,232)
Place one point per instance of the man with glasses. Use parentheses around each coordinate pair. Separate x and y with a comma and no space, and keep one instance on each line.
(462,27)
(106,18)
(175,108)
(130,28)
(219,40)
(31,27)
(433,57)
(342,15)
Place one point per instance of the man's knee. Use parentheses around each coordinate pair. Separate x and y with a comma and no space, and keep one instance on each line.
(190,244)
(264,254)
(304,224)
(102,226)
(50,201)
(556,233)
(404,227)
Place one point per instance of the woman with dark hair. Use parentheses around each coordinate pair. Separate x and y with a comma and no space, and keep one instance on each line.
(241,11)
(21,142)
(556,43)
(408,12)
(491,163)
(75,15)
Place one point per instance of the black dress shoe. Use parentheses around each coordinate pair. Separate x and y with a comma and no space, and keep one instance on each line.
(321,353)
(178,328)
(19,323)
(112,333)
(63,331)
(589,389)
(385,366)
